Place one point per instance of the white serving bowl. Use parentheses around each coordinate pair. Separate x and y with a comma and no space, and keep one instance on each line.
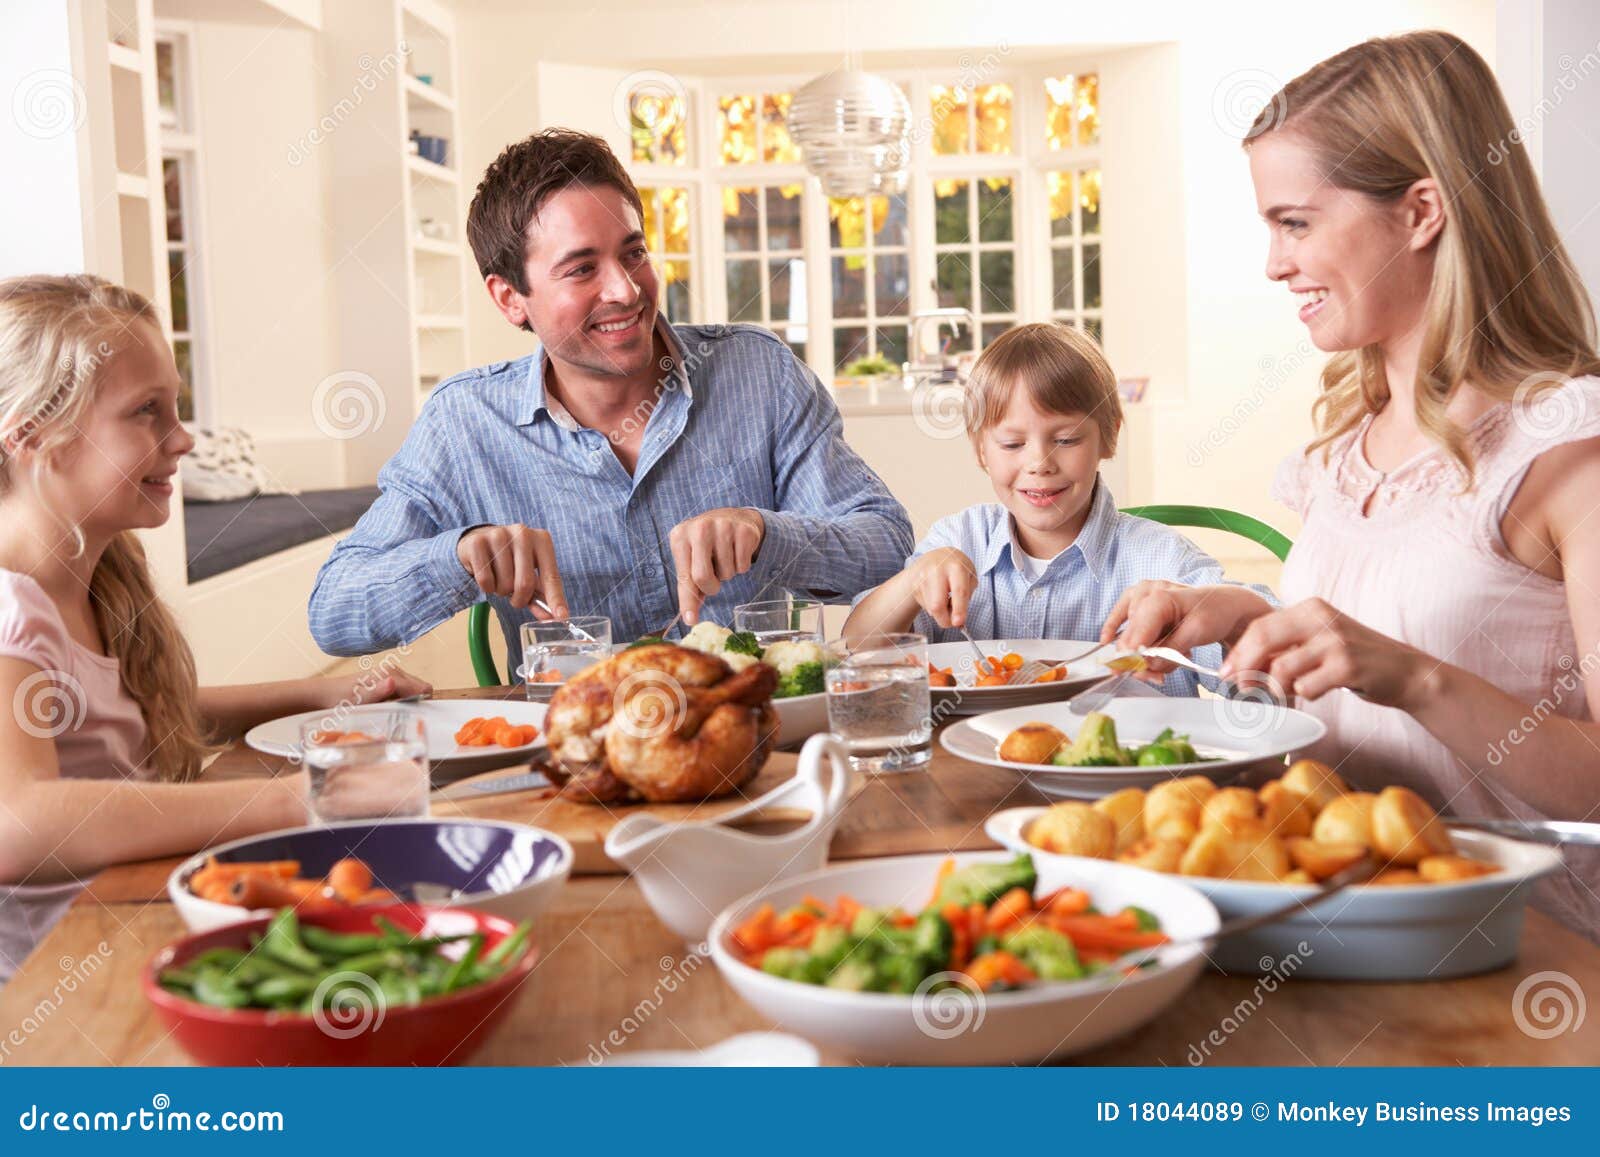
(510,870)
(800,717)
(955,1028)
(1384,932)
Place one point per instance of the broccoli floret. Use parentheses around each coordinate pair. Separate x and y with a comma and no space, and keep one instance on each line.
(1046,951)
(742,643)
(986,883)
(806,679)
(646,641)
(1095,745)
(1147,919)
(932,939)
(788,963)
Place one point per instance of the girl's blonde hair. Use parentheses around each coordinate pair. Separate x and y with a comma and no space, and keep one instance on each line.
(1506,303)
(1060,366)
(56,334)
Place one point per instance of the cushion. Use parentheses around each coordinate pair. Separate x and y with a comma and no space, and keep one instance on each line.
(223,467)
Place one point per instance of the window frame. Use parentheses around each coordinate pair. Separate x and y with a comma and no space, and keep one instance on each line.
(1027,165)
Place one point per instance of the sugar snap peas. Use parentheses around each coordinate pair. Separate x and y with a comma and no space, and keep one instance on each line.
(289,965)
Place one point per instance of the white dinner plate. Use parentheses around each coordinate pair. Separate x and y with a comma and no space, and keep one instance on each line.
(1238,734)
(442,718)
(966,699)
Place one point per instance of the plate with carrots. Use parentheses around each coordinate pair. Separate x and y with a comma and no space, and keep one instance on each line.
(464,735)
(961,686)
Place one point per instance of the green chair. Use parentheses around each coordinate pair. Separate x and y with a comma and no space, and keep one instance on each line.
(1211,517)
(1216,518)
(478,646)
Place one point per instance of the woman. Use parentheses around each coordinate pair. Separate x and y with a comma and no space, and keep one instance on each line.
(1443,599)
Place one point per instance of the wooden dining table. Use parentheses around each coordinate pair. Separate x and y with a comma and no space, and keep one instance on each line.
(611,979)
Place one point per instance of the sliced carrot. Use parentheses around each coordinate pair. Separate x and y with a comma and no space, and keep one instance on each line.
(977,924)
(1012,661)
(349,879)
(945,868)
(1066,902)
(756,934)
(1008,911)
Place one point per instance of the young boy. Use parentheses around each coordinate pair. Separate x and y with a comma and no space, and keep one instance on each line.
(1053,556)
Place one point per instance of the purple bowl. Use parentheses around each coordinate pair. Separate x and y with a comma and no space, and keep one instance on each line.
(507,869)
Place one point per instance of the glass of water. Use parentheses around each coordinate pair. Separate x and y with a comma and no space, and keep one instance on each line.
(878,703)
(778,619)
(365,764)
(553,652)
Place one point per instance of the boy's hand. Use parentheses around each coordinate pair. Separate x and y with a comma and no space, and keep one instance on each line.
(942,581)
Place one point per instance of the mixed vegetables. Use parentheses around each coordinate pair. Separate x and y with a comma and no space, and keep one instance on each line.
(983,928)
(798,661)
(1096,745)
(300,968)
(483,731)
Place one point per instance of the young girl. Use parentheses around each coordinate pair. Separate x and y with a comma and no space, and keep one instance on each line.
(1448,570)
(1052,557)
(107,727)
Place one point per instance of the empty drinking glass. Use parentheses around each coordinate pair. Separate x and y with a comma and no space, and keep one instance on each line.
(778,619)
(555,651)
(367,763)
(878,702)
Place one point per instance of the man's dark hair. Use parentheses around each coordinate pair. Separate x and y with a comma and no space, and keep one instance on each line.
(523,177)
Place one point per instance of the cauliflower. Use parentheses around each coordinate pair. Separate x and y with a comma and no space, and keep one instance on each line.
(713,640)
(787,654)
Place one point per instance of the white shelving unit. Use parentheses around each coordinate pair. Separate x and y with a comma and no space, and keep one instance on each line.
(408,287)
(141,237)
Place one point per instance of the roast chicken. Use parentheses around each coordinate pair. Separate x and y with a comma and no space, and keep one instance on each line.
(661,723)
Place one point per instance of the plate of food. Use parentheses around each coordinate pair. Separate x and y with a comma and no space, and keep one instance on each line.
(1135,742)
(961,686)
(980,958)
(465,736)
(798,697)
(1440,902)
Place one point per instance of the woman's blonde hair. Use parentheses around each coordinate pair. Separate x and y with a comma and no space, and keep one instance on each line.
(1506,304)
(56,335)
(1060,366)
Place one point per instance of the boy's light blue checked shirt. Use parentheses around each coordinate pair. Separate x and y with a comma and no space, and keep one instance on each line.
(740,422)
(1076,594)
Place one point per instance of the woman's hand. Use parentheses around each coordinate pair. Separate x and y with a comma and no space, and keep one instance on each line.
(372,687)
(942,582)
(1311,648)
(1157,612)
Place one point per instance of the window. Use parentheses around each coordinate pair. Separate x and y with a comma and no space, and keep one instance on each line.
(975,251)
(764,259)
(1001,216)
(869,259)
(180,160)
(667,236)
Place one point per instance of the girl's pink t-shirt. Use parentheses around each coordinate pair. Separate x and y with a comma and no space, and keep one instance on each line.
(76,697)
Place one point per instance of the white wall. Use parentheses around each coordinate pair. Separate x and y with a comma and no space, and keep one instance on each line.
(270,250)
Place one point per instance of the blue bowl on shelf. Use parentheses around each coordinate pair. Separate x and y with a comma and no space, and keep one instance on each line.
(510,870)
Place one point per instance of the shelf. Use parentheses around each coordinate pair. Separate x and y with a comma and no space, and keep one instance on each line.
(440,321)
(132,185)
(432,171)
(123,57)
(437,247)
(429,95)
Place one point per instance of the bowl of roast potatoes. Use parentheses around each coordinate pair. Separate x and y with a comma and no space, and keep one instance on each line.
(1440,903)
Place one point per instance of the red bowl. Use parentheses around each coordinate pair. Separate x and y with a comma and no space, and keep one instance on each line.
(441,1030)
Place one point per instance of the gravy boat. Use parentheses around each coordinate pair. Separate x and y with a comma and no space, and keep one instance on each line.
(692,869)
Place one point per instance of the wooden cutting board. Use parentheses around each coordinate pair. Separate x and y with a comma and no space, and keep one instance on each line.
(585,826)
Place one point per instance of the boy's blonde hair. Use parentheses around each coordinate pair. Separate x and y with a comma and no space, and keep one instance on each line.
(1506,305)
(1060,366)
(56,335)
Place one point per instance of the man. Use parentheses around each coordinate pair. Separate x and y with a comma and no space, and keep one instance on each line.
(626,468)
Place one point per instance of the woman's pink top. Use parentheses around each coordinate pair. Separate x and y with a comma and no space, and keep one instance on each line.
(1427,564)
(77,698)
